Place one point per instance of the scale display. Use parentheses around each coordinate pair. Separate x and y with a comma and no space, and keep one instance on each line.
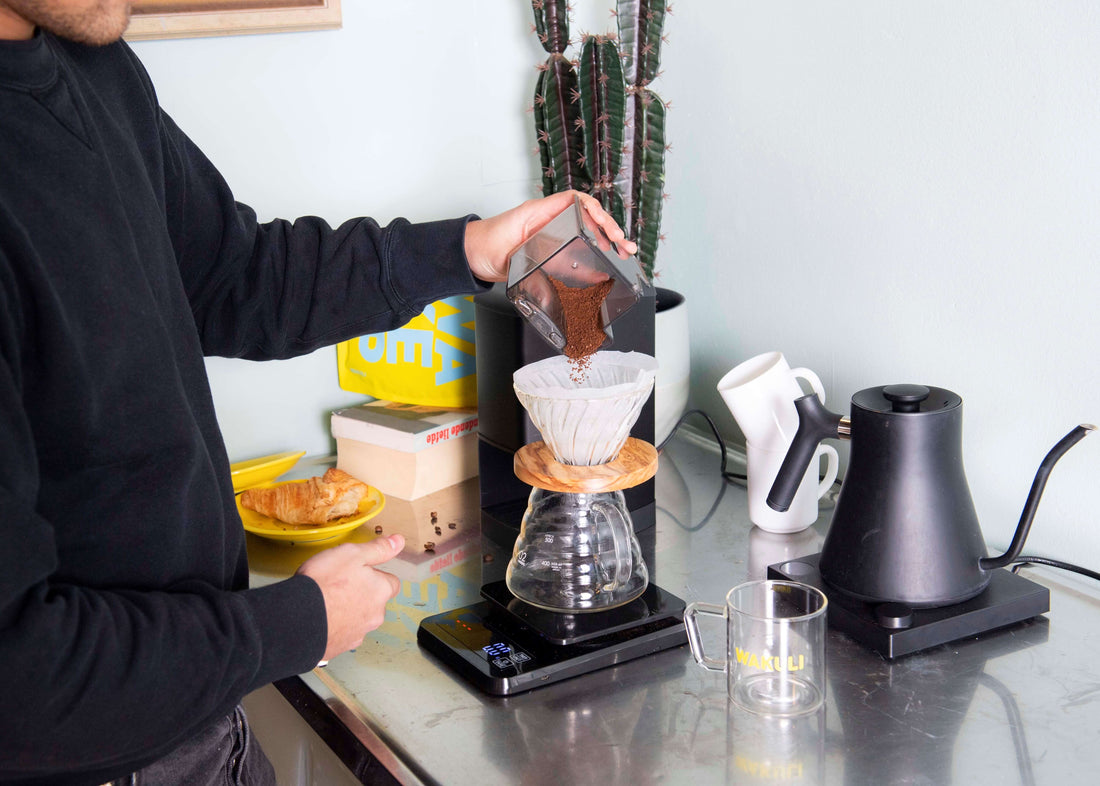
(504,647)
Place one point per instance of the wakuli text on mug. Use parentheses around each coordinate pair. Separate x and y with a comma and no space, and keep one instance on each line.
(775,646)
(787,751)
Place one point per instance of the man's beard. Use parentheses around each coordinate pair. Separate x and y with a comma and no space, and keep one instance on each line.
(94,22)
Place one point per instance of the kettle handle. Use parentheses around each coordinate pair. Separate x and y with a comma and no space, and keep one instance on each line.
(815,423)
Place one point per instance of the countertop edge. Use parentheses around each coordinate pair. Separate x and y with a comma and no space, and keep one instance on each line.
(362,751)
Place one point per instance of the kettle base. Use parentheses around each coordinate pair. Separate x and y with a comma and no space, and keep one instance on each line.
(894,630)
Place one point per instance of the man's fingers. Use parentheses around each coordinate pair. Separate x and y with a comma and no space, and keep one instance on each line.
(379,550)
(610,228)
(395,583)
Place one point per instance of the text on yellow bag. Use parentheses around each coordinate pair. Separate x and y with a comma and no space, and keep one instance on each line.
(430,361)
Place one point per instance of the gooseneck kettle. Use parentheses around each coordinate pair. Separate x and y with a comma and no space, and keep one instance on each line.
(904,528)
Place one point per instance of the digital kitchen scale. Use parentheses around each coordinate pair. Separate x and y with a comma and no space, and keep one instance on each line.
(505,646)
(894,629)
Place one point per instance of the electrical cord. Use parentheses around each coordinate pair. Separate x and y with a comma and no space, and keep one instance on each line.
(728,476)
(1024,561)
(1017,564)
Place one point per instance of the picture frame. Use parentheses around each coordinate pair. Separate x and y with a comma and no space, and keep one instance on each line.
(156,19)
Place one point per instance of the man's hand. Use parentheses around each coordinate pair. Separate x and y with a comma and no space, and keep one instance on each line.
(355,592)
(490,241)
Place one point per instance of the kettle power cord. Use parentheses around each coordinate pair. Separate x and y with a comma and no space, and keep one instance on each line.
(736,477)
(1024,561)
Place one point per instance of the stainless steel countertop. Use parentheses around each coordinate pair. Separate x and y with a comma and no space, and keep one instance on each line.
(1019,705)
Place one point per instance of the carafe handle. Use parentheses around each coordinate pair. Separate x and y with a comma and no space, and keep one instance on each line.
(620,537)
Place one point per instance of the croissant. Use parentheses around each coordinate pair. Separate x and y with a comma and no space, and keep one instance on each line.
(314,501)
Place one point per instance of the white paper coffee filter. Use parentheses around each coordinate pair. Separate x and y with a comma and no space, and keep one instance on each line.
(585,418)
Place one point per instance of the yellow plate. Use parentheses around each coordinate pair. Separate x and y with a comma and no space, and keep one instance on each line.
(273,529)
(247,474)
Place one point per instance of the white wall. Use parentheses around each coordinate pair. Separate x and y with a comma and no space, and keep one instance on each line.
(888,192)
(412,109)
(903,192)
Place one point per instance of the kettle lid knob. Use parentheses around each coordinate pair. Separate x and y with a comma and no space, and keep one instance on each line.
(906,398)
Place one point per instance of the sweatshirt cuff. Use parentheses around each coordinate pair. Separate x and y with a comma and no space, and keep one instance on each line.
(293,626)
(427,262)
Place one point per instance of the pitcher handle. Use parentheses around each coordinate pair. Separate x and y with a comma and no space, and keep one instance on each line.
(620,537)
(695,640)
(813,379)
(832,466)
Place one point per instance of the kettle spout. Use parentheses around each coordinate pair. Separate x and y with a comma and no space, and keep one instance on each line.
(815,423)
(1037,486)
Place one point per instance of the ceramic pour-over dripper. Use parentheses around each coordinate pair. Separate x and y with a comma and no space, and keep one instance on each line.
(576,550)
(586,418)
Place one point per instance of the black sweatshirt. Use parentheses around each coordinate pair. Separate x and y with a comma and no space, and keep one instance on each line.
(126,624)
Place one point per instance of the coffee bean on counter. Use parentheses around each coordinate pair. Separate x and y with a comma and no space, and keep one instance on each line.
(438,531)
(378,530)
(429,546)
(452,525)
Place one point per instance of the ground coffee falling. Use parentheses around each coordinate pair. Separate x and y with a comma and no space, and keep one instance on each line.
(584,334)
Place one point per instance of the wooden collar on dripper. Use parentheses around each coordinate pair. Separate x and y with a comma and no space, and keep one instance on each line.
(536,466)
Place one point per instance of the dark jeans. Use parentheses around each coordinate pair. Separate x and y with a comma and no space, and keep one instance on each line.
(225,754)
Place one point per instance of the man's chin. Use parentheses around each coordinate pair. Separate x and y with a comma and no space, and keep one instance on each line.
(94,22)
(107,31)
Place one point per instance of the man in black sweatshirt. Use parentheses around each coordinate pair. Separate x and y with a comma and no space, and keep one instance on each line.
(128,634)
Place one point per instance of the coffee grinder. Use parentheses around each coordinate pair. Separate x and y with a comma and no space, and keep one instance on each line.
(588,603)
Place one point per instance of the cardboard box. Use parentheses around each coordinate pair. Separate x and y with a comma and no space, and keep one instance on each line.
(406,451)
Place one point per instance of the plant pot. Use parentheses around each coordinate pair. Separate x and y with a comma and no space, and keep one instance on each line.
(672,349)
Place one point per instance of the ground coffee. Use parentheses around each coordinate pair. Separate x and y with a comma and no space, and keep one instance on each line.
(582,314)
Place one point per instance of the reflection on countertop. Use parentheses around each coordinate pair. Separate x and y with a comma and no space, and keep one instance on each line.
(1017,705)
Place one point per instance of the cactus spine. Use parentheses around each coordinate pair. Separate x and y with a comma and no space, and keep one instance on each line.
(602,130)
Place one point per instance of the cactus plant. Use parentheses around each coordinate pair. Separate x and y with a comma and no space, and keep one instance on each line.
(599,126)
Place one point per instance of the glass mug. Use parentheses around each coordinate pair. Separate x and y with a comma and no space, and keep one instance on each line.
(775,646)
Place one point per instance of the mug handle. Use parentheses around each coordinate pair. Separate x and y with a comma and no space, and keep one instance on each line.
(813,379)
(694,640)
(832,466)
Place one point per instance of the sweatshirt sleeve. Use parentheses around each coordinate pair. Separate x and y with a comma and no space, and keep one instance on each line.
(114,677)
(97,675)
(126,625)
(285,288)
